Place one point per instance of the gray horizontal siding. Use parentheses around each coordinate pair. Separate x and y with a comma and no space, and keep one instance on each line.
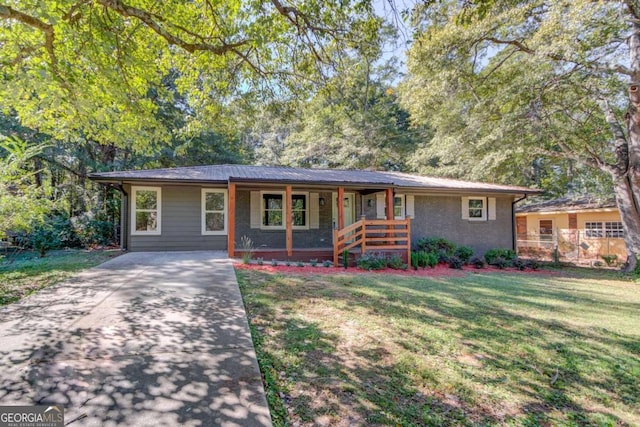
(441,216)
(181,224)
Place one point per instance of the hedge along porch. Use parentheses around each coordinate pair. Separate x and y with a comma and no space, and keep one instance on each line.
(291,213)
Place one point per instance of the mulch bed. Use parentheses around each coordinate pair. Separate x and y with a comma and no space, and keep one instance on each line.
(441,270)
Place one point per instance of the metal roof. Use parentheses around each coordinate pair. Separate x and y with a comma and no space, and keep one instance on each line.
(568,204)
(280,174)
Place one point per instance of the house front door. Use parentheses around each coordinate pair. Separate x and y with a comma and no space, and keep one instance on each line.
(349,209)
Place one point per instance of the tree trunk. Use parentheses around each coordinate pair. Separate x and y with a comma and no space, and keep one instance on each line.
(626,176)
(626,198)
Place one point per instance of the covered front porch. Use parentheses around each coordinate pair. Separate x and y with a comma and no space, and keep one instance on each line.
(299,222)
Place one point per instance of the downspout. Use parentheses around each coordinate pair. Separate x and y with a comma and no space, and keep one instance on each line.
(514,234)
(124,207)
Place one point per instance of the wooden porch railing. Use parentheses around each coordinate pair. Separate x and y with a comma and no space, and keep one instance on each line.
(373,235)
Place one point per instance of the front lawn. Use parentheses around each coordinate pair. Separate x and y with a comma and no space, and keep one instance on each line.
(28,273)
(483,349)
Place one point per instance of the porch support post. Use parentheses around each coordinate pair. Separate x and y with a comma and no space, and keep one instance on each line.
(340,208)
(231,221)
(389,200)
(289,220)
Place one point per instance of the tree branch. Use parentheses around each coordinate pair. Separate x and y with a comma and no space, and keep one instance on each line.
(8,13)
(152,22)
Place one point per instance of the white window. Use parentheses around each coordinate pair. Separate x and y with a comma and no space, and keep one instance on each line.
(214,211)
(593,230)
(398,207)
(273,210)
(477,207)
(146,205)
(614,229)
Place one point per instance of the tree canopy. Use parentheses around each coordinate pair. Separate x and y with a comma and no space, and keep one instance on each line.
(506,82)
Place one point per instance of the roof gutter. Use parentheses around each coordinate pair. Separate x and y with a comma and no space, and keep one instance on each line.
(514,232)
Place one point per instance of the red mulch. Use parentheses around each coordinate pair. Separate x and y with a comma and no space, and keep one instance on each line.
(441,270)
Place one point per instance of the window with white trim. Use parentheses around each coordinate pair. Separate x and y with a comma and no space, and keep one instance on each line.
(214,211)
(299,210)
(614,229)
(596,229)
(593,230)
(146,205)
(477,208)
(273,210)
(398,207)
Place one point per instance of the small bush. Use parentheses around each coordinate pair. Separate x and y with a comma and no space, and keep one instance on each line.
(300,264)
(436,244)
(313,262)
(414,260)
(287,263)
(372,262)
(611,260)
(395,262)
(260,261)
(345,259)
(500,262)
(492,254)
(274,262)
(519,263)
(464,253)
(455,262)
(44,238)
(327,263)
(533,264)
(477,262)
(94,229)
(426,259)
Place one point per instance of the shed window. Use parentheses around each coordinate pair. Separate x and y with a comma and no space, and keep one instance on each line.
(214,208)
(614,229)
(593,230)
(146,210)
(546,229)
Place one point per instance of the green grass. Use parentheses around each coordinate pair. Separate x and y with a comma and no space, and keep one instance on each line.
(28,273)
(485,349)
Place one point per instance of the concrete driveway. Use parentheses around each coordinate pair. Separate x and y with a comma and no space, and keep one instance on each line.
(144,339)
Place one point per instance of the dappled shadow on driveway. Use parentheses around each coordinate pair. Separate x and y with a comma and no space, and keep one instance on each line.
(160,341)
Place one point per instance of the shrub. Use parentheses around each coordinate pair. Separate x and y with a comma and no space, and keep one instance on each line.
(500,262)
(54,233)
(274,262)
(287,263)
(611,260)
(414,260)
(327,263)
(313,262)
(395,262)
(426,259)
(436,244)
(345,259)
(492,254)
(533,264)
(94,230)
(455,262)
(372,262)
(464,253)
(477,262)
(300,264)
(519,263)
(260,261)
